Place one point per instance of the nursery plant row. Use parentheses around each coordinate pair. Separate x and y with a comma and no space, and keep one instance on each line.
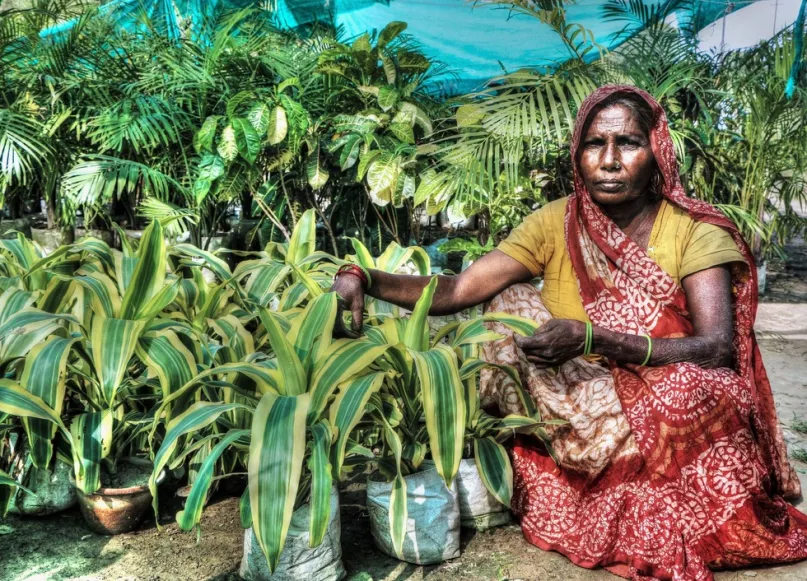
(164,356)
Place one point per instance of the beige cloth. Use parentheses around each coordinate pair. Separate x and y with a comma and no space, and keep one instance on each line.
(580,392)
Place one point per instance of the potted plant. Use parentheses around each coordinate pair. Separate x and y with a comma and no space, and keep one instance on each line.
(307,393)
(91,375)
(422,410)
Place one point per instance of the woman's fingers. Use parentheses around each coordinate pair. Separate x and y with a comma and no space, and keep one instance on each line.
(357,311)
(541,363)
(339,329)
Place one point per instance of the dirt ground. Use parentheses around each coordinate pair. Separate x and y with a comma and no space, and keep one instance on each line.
(61,547)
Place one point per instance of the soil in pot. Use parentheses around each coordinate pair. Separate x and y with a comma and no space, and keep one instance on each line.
(298,560)
(433,524)
(123,499)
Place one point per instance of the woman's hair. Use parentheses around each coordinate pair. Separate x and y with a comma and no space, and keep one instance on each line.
(645,118)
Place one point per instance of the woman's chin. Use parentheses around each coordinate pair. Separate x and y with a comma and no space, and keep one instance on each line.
(613,198)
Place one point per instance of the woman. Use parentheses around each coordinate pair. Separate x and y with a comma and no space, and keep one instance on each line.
(672,460)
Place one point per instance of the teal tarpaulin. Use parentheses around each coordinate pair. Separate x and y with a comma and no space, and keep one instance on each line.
(476,41)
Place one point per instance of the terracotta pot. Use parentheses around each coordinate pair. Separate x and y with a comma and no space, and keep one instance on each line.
(112,511)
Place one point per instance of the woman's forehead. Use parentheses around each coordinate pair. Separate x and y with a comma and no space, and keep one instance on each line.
(616,118)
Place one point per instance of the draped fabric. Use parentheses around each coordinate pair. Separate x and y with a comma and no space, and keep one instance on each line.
(682,469)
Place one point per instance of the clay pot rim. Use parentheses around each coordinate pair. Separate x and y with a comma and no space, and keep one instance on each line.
(109,491)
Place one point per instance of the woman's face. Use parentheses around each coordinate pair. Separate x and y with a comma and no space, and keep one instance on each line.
(616,161)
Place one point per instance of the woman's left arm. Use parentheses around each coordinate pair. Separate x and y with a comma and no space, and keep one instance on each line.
(709,299)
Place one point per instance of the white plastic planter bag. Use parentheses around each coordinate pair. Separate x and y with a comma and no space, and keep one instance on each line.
(479,509)
(433,526)
(298,561)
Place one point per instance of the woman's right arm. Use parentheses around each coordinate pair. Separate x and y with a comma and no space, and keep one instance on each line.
(483,280)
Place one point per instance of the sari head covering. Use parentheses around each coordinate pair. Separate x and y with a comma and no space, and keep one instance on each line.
(705,486)
(638,297)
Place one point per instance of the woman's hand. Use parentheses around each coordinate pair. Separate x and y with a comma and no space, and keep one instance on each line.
(554,343)
(350,290)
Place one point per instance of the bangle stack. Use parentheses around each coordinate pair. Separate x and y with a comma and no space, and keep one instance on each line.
(588,343)
(358,271)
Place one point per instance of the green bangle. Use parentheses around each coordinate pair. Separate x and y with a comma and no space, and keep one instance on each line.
(589,341)
(649,351)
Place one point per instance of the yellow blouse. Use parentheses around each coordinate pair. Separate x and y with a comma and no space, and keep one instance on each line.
(680,245)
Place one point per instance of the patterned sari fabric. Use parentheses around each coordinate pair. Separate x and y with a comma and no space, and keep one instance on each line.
(663,472)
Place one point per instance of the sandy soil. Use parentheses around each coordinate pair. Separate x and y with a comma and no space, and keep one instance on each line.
(61,547)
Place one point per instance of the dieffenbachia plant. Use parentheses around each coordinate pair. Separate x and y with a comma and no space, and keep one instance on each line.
(312,392)
(428,403)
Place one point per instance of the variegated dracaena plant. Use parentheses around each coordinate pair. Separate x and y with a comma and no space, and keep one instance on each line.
(310,394)
(88,321)
(428,404)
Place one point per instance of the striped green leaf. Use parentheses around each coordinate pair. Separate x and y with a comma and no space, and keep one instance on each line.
(518,423)
(303,239)
(294,379)
(14,300)
(398,510)
(149,272)
(234,335)
(347,410)
(308,281)
(276,453)
(472,332)
(343,360)
(264,280)
(416,335)
(198,416)
(104,296)
(92,439)
(521,325)
(44,377)
(113,343)
(211,261)
(7,487)
(265,379)
(245,510)
(443,407)
(159,301)
(30,319)
(312,331)
(363,255)
(494,468)
(15,401)
(321,481)
(191,515)
(166,356)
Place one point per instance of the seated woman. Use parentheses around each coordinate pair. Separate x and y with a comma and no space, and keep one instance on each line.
(672,461)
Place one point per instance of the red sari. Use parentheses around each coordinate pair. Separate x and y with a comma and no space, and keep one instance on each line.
(705,489)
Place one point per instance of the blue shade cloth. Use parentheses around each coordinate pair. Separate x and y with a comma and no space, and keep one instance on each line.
(475,42)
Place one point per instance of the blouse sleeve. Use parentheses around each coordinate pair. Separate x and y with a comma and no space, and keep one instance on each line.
(708,246)
(530,243)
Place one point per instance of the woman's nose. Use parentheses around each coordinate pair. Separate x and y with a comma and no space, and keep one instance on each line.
(610,157)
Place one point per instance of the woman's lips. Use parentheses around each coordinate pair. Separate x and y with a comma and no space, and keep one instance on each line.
(610,186)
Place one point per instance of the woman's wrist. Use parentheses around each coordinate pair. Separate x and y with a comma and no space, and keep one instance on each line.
(357,271)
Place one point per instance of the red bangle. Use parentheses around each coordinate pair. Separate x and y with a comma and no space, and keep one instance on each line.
(354,270)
